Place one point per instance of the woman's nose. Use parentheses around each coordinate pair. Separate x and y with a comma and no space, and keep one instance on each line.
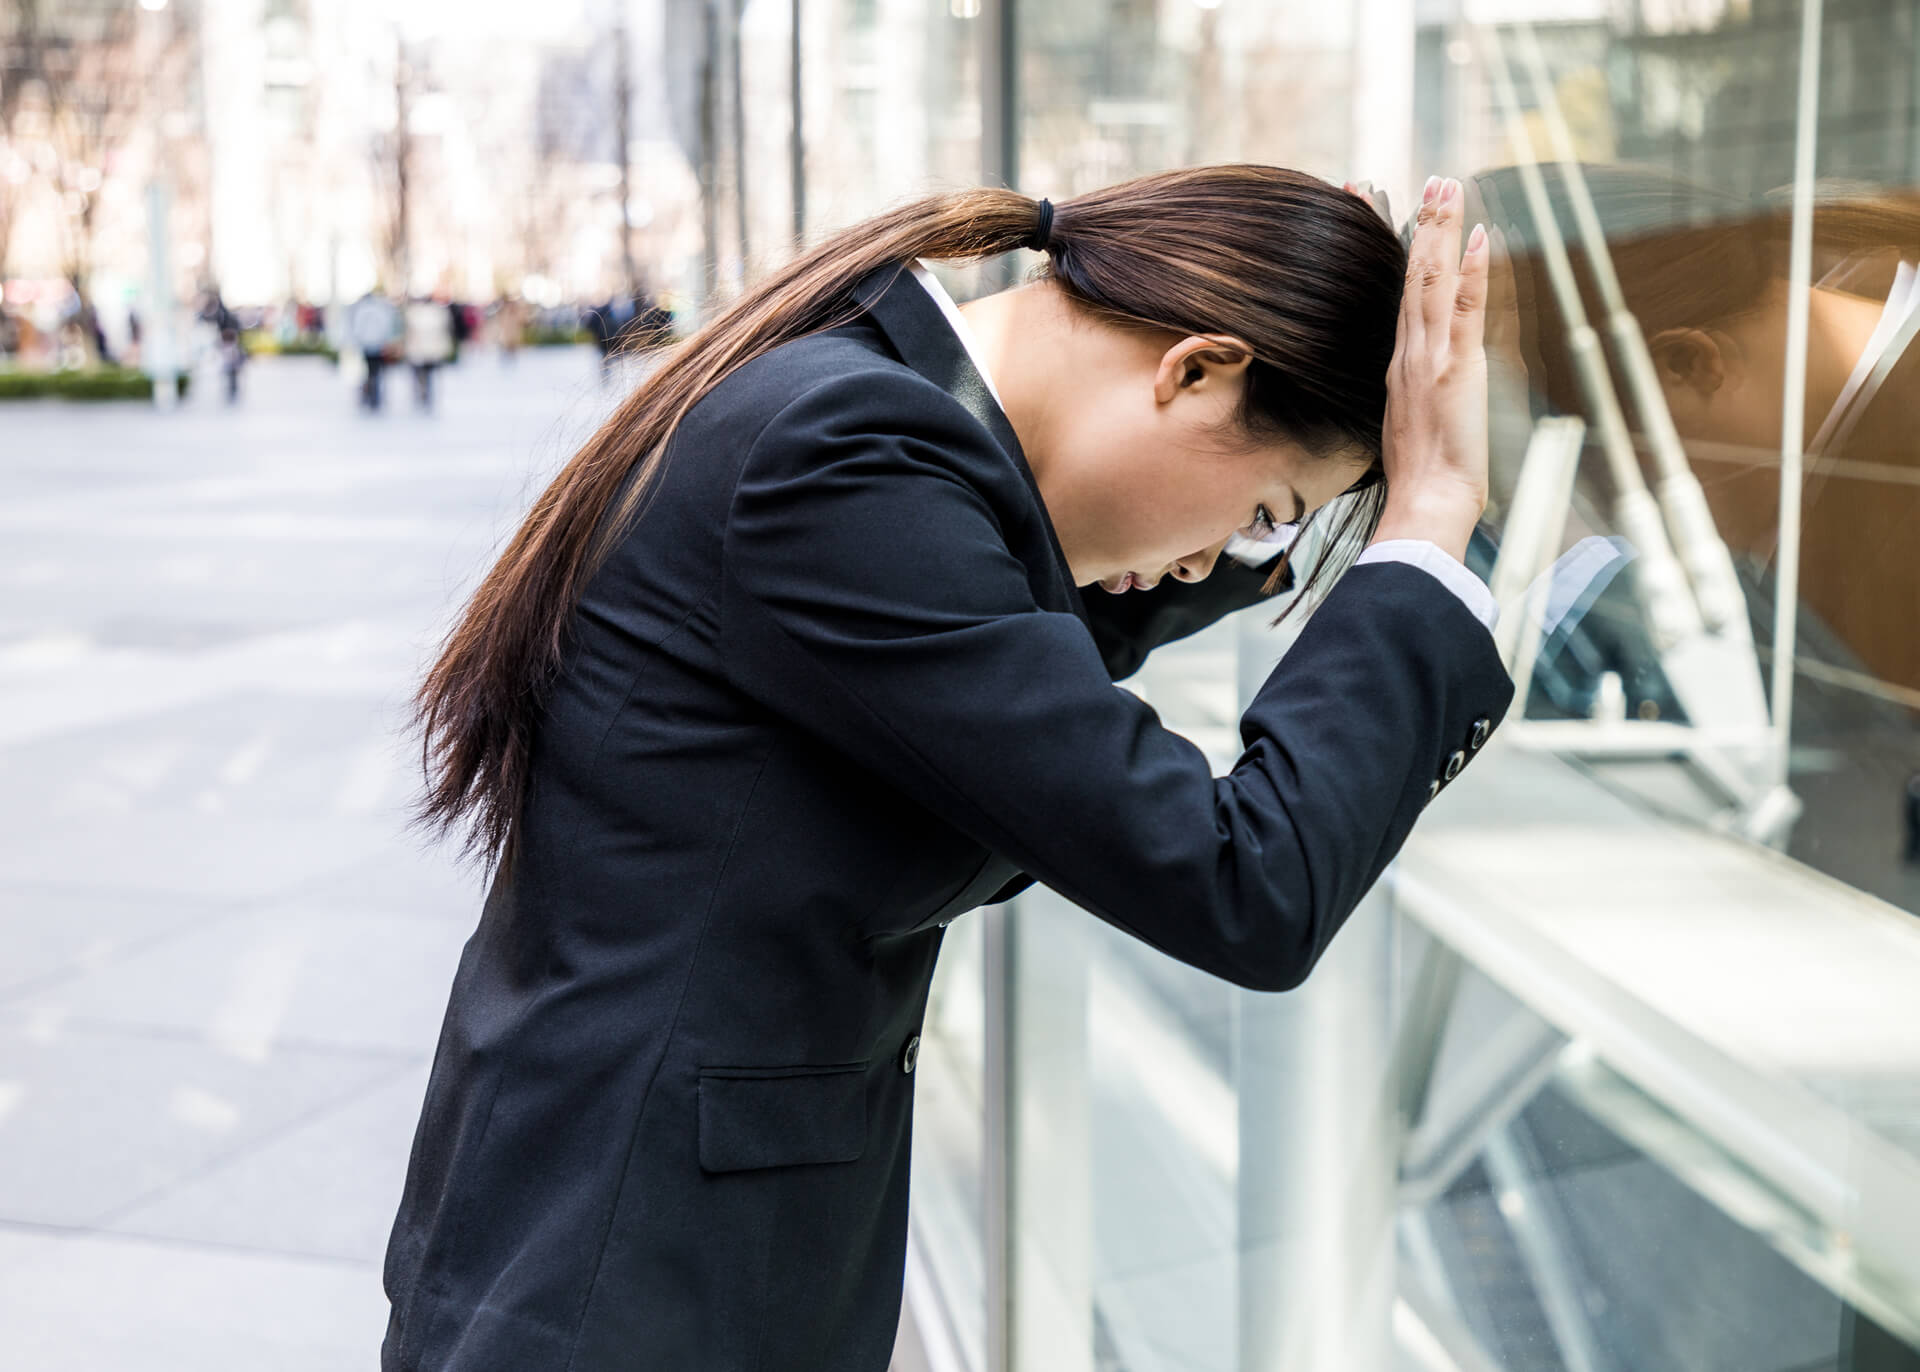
(1196,566)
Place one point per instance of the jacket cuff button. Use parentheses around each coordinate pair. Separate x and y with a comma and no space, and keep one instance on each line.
(1454,764)
(1481,728)
(910,1055)
(1433,789)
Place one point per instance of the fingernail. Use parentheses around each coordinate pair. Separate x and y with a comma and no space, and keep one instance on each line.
(1448,190)
(1426,196)
(1476,238)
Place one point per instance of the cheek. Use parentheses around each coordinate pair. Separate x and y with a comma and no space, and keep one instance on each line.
(1119,502)
(1161,508)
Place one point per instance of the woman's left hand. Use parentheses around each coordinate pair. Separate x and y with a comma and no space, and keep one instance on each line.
(1434,447)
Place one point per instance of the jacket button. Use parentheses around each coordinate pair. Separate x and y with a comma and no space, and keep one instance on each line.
(910,1054)
(1454,764)
(1481,728)
(1433,789)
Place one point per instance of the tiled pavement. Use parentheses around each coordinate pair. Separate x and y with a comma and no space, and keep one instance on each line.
(222,957)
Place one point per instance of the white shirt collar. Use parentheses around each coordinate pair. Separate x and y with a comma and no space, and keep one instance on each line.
(959,325)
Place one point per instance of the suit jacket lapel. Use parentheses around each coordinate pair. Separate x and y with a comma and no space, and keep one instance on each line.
(919,332)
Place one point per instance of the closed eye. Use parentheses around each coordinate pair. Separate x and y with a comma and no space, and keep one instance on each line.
(1264,525)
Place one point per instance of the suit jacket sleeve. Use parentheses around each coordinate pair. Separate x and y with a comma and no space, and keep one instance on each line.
(871,598)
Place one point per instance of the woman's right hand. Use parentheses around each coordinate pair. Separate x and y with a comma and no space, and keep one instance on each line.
(1435,436)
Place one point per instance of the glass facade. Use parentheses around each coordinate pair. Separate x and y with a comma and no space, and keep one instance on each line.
(1619,1067)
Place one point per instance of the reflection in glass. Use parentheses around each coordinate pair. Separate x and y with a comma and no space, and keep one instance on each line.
(1705,274)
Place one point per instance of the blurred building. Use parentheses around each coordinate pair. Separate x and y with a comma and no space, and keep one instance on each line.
(312,149)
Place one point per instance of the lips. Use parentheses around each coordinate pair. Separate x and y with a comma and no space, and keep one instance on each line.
(1129,582)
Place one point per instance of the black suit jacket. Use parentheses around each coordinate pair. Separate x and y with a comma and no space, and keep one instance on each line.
(835,688)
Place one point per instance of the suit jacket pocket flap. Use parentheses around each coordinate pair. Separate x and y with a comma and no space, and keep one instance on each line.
(781,1116)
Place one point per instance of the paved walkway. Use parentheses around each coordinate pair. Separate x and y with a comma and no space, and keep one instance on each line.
(222,960)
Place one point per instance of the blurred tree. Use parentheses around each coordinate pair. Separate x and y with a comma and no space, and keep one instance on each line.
(19,69)
(393,175)
(96,91)
(623,139)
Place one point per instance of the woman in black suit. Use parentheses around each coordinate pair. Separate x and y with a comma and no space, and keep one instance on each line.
(792,665)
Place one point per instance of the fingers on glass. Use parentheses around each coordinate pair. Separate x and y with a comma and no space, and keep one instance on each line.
(1447,284)
(1436,251)
(1470,301)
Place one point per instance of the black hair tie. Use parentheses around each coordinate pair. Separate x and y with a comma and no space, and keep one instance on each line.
(1042,234)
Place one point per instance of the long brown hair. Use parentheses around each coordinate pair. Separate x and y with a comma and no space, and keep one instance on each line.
(1305,272)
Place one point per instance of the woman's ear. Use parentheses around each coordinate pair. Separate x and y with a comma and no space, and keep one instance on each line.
(1203,361)
(1689,360)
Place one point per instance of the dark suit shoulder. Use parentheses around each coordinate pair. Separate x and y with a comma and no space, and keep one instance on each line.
(826,411)
(834,388)
(854,360)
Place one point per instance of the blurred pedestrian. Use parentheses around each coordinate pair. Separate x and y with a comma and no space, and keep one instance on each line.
(429,343)
(225,326)
(509,327)
(373,323)
(610,324)
(233,356)
(460,322)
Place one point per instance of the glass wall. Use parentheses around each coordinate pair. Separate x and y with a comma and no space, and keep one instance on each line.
(1619,1068)
(1716,1166)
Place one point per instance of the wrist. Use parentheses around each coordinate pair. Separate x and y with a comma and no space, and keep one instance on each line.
(1444,518)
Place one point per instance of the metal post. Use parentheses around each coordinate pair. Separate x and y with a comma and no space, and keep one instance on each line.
(1038,1146)
(999,152)
(737,136)
(157,350)
(999,115)
(402,246)
(996,1185)
(707,168)
(798,142)
(1786,576)
(1319,1115)
(622,114)
(999,95)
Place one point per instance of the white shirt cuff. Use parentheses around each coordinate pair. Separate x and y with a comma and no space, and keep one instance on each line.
(1452,573)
